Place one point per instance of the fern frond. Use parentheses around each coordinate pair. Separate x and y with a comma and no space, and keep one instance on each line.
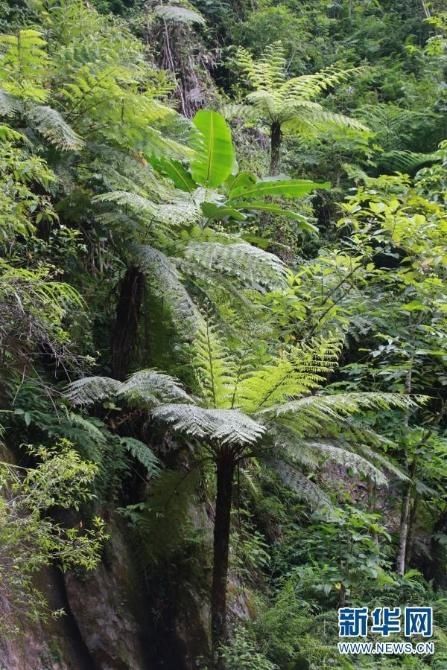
(303,487)
(165,282)
(145,386)
(179,14)
(89,390)
(9,105)
(268,72)
(175,213)
(313,117)
(341,405)
(152,388)
(222,426)
(143,454)
(381,461)
(214,367)
(126,199)
(309,86)
(49,123)
(158,144)
(296,372)
(249,266)
(348,459)
(408,162)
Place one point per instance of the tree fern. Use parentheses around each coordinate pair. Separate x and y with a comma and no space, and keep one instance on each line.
(267,410)
(179,14)
(287,104)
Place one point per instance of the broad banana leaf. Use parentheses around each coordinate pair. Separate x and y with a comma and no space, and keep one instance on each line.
(214,158)
(281,188)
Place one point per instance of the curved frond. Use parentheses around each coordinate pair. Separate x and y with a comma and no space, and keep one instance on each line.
(341,405)
(224,426)
(182,211)
(49,123)
(297,372)
(348,459)
(126,199)
(316,118)
(179,14)
(249,266)
(301,485)
(89,390)
(152,388)
(143,454)
(165,282)
(406,161)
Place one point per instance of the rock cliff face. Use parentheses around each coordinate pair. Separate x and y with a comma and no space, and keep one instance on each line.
(111,621)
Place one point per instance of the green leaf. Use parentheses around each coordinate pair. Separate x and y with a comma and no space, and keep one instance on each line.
(212,211)
(214,157)
(280,211)
(175,171)
(284,188)
(241,180)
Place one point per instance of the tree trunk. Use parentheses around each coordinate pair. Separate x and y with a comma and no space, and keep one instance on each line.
(403,532)
(225,469)
(125,329)
(275,147)
(438,553)
(412,531)
(401,563)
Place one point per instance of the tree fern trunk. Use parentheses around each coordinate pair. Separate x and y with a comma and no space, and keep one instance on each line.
(225,469)
(275,147)
(405,520)
(403,532)
(125,329)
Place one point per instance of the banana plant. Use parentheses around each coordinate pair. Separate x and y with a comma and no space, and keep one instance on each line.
(222,192)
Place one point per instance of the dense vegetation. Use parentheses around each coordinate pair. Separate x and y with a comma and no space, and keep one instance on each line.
(223,316)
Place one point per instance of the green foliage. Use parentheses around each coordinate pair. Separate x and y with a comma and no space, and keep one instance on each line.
(31,538)
(214,160)
(25,65)
(290,101)
(242,654)
(312,365)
